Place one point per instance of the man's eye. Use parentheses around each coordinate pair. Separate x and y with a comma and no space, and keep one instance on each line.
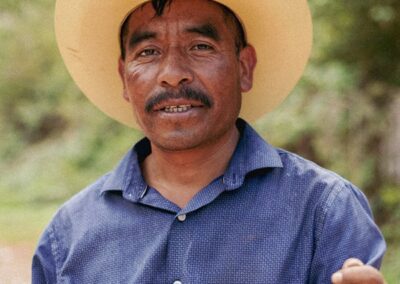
(202,46)
(148,52)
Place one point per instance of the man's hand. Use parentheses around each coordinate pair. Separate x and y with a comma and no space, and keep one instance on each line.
(354,271)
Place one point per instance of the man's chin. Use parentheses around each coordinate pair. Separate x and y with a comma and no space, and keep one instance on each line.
(180,139)
(176,143)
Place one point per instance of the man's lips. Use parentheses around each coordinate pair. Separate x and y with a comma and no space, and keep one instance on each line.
(177,106)
(180,108)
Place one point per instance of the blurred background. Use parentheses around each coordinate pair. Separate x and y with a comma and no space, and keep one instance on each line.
(344,115)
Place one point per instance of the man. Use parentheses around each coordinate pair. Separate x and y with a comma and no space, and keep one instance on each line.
(202,199)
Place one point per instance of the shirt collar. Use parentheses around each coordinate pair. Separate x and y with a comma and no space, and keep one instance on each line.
(127,176)
(252,153)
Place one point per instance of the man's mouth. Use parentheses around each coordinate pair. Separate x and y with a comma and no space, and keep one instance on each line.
(184,100)
(178,106)
(177,109)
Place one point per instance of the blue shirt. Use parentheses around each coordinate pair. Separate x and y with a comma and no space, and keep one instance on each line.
(273,217)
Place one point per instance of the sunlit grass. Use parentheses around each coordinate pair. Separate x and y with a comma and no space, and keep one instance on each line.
(23,223)
(391,264)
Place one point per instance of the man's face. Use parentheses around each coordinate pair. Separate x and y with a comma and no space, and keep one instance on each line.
(183,75)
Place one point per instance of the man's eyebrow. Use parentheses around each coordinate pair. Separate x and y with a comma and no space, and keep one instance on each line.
(139,36)
(207,30)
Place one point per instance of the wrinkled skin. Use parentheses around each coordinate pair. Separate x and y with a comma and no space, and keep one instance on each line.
(177,56)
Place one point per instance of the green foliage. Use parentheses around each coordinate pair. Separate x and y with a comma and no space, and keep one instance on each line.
(32,78)
(365,35)
(340,111)
(54,142)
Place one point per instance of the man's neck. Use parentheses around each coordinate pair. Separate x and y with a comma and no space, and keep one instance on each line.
(180,175)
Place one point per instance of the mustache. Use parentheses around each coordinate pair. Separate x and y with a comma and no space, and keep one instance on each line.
(183,93)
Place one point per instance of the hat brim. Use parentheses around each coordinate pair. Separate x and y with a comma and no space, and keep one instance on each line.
(87,33)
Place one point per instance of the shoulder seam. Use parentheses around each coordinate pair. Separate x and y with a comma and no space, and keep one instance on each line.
(326,206)
(55,250)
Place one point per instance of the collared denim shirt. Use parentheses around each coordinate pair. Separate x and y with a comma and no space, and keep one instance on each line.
(273,217)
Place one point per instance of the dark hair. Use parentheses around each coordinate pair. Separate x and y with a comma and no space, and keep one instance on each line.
(159,6)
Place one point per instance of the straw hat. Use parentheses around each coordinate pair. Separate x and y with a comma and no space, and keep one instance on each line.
(87,34)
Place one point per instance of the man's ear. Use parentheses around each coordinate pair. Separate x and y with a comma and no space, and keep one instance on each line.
(248,61)
(121,71)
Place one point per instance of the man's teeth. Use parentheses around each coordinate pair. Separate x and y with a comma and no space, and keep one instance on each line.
(180,108)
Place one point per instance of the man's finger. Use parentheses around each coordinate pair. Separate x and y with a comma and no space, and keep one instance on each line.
(352,262)
(358,274)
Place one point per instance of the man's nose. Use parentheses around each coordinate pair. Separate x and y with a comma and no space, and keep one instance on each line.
(174,69)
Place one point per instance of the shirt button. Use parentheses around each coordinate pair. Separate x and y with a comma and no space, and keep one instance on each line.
(181,218)
(178,282)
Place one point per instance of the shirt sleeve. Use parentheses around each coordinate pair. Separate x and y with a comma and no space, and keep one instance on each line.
(43,264)
(346,229)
